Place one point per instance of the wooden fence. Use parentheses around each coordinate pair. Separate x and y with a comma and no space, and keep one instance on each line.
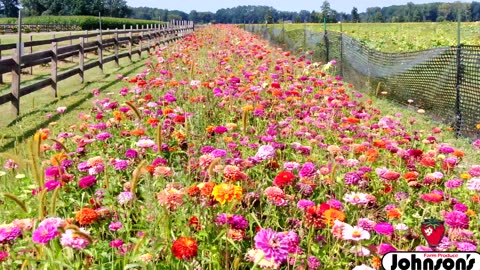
(152,37)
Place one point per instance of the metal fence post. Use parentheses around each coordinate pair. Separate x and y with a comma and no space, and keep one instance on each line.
(458,111)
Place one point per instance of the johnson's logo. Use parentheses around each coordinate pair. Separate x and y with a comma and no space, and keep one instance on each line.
(431,261)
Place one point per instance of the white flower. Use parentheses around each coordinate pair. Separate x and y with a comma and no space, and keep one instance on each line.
(145,143)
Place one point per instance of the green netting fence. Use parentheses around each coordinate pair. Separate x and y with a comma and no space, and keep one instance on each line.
(445,81)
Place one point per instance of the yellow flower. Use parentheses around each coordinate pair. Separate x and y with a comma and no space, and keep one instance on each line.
(247,108)
(465,176)
(226,193)
(471,213)
(478,126)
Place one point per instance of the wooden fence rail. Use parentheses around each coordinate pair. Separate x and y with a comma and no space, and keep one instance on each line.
(152,36)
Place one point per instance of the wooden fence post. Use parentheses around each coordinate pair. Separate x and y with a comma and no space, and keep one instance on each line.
(81,59)
(54,68)
(115,44)
(71,43)
(149,32)
(1,75)
(130,44)
(16,71)
(100,52)
(140,43)
(31,51)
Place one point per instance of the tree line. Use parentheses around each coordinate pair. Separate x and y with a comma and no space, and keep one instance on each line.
(432,12)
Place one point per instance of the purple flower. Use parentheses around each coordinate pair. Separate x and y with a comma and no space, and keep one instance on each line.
(307,170)
(457,219)
(454,183)
(383,249)
(219,153)
(131,153)
(87,181)
(460,207)
(304,204)
(384,228)
(400,196)
(465,246)
(116,243)
(9,233)
(52,184)
(313,263)
(115,226)
(43,234)
(83,166)
(220,130)
(352,178)
(265,152)
(159,161)
(366,224)
(104,136)
(335,204)
(207,149)
(120,164)
(52,172)
(234,221)
(273,244)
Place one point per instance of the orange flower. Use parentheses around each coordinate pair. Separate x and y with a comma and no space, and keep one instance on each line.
(184,248)
(206,188)
(410,176)
(470,213)
(458,153)
(379,144)
(226,193)
(372,155)
(476,198)
(247,108)
(394,213)
(167,111)
(376,262)
(138,132)
(117,115)
(333,214)
(210,129)
(86,216)
(152,121)
(58,158)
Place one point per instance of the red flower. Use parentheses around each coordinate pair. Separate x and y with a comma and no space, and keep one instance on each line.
(283,179)
(184,248)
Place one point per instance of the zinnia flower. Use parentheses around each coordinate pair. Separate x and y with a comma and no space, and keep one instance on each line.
(276,196)
(283,179)
(87,181)
(226,193)
(184,248)
(86,216)
(43,234)
(354,233)
(384,228)
(71,239)
(273,244)
(457,219)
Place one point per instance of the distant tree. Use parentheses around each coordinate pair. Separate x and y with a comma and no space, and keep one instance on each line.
(193,16)
(378,17)
(327,13)
(355,16)
(9,8)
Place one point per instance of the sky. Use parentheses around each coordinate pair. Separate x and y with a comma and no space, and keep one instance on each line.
(283,5)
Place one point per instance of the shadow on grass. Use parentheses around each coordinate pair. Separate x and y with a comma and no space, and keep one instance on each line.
(30,132)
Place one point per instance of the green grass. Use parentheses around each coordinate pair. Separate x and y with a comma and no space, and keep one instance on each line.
(72,94)
(399,37)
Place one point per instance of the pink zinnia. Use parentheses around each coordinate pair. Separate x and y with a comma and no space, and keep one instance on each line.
(87,181)
(276,196)
(116,243)
(457,219)
(274,245)
(474,171)
(70,239)
(43,234)
(354,233)
(384,228)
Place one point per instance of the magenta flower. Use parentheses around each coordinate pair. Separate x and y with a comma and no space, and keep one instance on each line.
(3,256)
(116,243)
(273,244)
(130,153)
(52,185)
(384,228)
(308,170)
(383,249)
(457,219)
(9,233)
(104,136)
(87,181)
(115,226)
(304,204)
(43,234)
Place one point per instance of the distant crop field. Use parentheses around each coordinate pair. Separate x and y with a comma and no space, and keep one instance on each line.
(401,37)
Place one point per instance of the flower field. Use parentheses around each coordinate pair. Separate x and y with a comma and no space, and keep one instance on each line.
(227,153)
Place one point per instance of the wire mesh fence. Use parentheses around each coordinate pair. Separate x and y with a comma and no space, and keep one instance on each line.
(445,81)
